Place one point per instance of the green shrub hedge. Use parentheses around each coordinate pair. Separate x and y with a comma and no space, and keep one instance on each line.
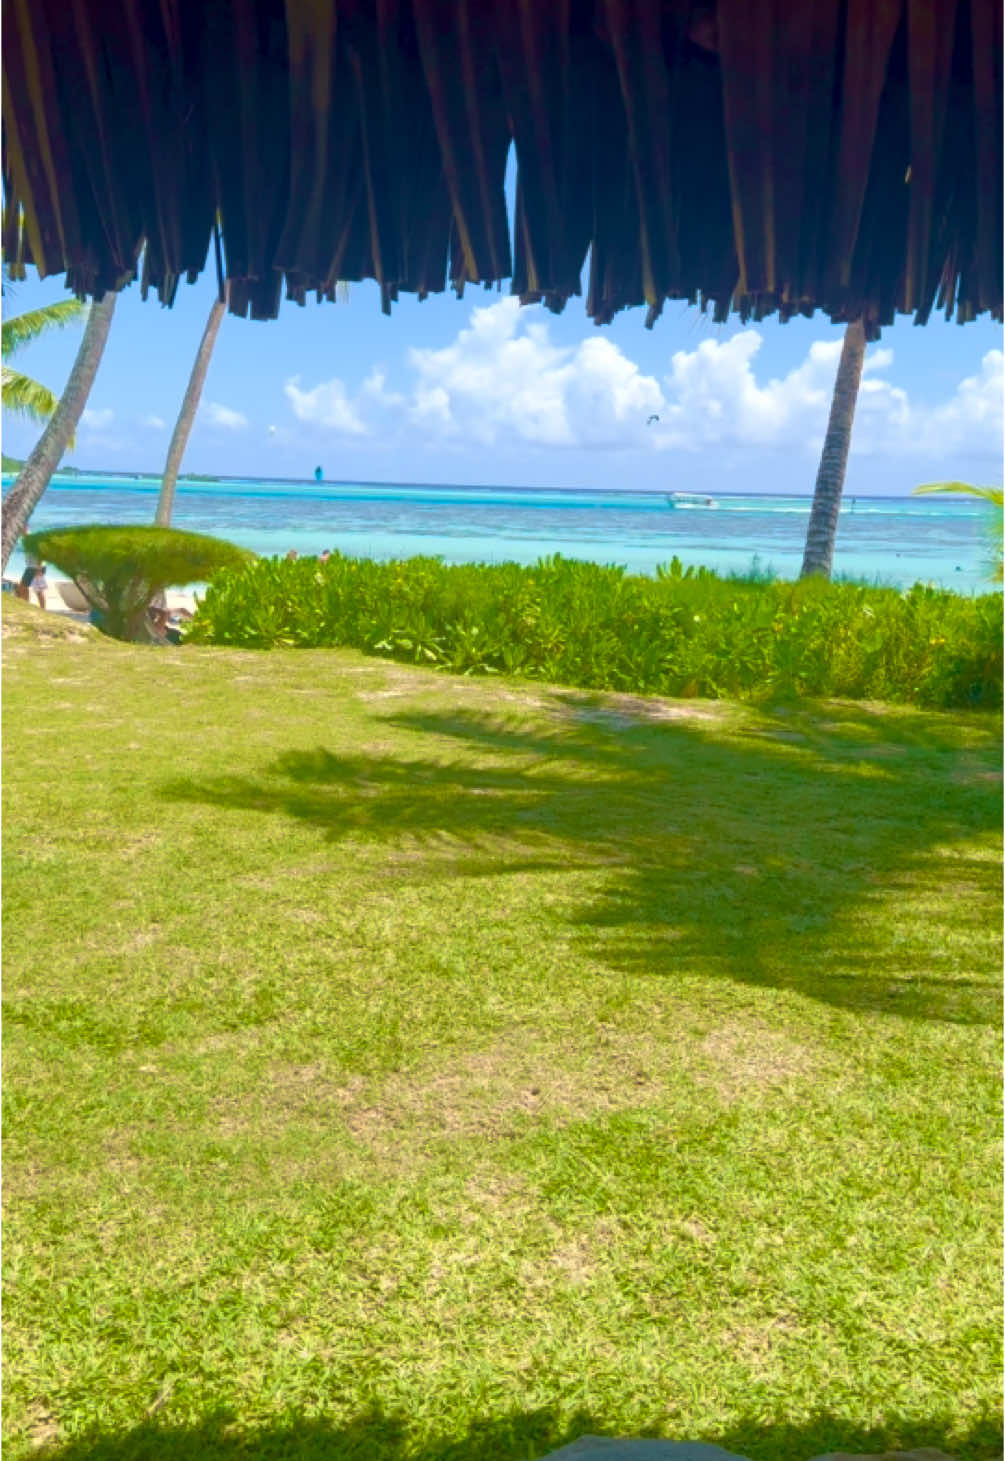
(685,632)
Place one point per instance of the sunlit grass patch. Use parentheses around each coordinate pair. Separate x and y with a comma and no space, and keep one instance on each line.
(416,1067)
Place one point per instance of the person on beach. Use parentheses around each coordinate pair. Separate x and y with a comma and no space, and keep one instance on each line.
(292,556)
(39,585)
(159,613)
(33,581)
(176,623)
(324,555)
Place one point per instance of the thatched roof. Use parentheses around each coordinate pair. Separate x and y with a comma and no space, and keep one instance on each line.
(762,155)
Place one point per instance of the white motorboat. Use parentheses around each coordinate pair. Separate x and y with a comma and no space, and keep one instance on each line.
(690,499)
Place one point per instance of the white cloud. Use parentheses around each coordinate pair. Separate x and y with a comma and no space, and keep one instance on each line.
(974,412)
(218,415)
(431,407)
(714,396)
(608,394)
(325,405)
(97,418)
(156,423)
(879,358)
(503,378)
(968,424)
(495,378)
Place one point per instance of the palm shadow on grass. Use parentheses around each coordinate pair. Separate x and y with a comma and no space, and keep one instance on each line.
(517,1436)
(771,854)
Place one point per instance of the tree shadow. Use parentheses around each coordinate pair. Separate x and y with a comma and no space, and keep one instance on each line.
(771,853)
(524,1435)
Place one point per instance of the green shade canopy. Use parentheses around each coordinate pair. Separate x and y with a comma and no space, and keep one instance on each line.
(757,155)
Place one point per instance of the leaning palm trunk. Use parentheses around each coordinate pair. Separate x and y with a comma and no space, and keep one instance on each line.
(818,557)
(186,416)
(21,501)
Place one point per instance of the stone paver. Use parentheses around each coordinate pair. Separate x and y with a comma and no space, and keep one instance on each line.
(926,1453)
(608,1448)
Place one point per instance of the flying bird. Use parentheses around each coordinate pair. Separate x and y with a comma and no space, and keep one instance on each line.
(651,420)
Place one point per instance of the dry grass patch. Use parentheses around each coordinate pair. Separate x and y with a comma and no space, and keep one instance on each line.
(743,1061)
(520,1083)
(758,1345)
(41,1429)
(623,711)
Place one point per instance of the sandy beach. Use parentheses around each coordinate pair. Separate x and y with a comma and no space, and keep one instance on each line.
(57,603)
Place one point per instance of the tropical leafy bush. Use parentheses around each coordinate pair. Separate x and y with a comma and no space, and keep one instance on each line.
(120,570)
(686,632)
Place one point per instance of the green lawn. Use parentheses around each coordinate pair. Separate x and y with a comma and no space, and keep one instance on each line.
(412,1068)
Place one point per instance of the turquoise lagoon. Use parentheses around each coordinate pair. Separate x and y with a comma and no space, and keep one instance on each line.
(893,540)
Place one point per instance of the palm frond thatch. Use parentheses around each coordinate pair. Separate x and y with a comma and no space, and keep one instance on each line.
(768,156)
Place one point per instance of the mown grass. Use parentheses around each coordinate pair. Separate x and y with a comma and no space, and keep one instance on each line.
(401,1066)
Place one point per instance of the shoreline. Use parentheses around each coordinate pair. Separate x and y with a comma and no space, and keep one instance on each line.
(56,604)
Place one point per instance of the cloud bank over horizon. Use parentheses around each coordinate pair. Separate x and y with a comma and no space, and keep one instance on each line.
(503,379)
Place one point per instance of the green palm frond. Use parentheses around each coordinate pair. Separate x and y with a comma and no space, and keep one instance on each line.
(27,397)
(22,329)
(23,396)
(996,497)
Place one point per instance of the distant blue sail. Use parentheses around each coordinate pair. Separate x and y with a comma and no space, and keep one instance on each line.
(318,474)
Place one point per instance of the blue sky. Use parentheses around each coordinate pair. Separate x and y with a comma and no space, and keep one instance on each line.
(477,391)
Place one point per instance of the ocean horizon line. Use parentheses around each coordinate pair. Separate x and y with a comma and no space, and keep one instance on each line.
(197,479)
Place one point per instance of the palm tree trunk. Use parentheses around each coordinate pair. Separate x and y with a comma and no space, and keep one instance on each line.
(186,416)
(818,557)
(22,499)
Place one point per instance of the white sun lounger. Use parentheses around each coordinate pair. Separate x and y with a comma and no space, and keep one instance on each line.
(72,597)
